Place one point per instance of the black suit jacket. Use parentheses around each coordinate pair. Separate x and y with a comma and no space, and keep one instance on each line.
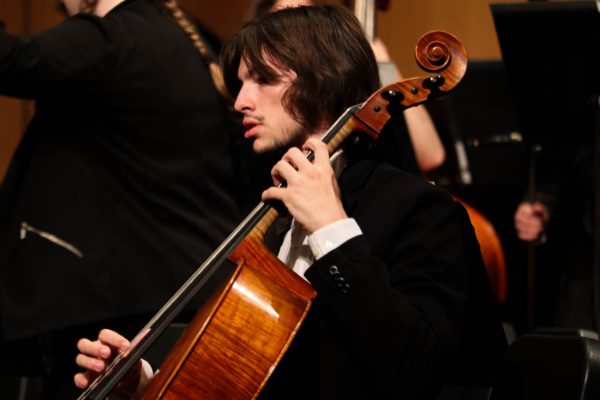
(398,307)
(128,159)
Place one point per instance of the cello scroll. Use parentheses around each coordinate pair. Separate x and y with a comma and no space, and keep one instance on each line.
(436,51)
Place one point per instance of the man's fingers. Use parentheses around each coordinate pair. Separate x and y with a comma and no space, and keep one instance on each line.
(283,171)
(112,338)
(90,363)
(95,348)
(272,193)
(318,148)
(296,158)
(82,381)
(95,355)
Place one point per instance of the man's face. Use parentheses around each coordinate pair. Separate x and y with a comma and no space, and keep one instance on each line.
(266,121)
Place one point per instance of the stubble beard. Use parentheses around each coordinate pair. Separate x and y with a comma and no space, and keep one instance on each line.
(295,139)
(281,144)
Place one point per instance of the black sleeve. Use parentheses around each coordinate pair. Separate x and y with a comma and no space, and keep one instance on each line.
(69,57)
(400,311)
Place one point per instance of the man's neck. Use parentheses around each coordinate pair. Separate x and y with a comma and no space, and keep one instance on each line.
(105,6)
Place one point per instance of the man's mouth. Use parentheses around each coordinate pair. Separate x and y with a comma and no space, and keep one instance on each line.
(250,127)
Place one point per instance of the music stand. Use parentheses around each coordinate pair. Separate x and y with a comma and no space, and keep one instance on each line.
(551,54)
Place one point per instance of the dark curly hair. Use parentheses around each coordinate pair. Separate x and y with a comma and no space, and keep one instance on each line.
(326,48)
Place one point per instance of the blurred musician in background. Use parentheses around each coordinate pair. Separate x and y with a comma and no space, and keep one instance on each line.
(559,218)
(122,183)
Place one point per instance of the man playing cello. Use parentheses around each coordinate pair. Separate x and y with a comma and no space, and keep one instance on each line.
(393,258)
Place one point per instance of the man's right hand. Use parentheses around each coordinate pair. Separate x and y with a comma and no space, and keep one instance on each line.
(95,355)
(530,220)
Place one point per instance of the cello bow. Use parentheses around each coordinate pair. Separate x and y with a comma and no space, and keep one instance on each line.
(237,338)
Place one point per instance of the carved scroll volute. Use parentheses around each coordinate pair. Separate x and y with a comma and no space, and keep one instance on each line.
(437,52)
(441,53)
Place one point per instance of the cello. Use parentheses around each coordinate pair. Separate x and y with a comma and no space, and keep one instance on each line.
(489,242)
(237,338)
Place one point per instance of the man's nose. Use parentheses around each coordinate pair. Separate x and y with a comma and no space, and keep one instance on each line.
(243,101)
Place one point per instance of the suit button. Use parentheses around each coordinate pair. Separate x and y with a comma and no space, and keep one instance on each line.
(345,288)
(334,271)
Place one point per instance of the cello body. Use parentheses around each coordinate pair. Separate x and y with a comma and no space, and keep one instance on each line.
(218,356)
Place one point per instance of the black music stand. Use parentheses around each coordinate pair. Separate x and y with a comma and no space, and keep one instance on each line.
(551,51)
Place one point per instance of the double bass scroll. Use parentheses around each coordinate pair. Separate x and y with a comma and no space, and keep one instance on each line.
(238,337)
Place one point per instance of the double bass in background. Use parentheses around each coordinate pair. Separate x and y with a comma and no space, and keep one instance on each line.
(238,337)
(491,251)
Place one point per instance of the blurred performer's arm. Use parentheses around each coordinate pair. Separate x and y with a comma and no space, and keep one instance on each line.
(429,150)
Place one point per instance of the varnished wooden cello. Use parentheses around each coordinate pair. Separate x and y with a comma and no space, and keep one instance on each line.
(237,338)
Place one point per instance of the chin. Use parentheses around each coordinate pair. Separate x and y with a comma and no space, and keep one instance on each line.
(261,148)
(258,149)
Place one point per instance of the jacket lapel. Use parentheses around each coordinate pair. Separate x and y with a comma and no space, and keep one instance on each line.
(354,178)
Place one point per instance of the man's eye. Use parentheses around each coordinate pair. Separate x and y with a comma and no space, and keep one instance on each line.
(259,79)
(262,81)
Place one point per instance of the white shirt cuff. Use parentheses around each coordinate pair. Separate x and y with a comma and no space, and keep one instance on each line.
(331,236)
(146,374)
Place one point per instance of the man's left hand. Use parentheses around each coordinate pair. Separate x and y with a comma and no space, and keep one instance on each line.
(312,194)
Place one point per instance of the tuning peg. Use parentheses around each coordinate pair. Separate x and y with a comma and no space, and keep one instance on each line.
(392,95)
(433,82)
